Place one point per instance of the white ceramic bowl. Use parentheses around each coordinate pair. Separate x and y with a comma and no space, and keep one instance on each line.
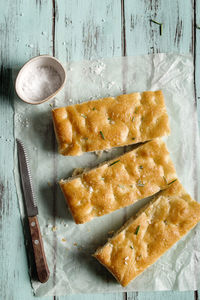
(27,87)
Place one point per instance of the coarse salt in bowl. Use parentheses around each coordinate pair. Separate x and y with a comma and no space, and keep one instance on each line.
(40,79)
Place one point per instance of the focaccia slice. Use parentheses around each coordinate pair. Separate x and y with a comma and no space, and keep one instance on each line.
(110,122)
(120,182)
(144,238)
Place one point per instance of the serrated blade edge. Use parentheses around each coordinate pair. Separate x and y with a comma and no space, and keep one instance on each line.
(26,180)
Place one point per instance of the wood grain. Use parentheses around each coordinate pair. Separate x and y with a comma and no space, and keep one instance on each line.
(38,248)
(21,37)
(168,295)
(197,54)
(92,29)
(143,36)
(196,41)
(87,29)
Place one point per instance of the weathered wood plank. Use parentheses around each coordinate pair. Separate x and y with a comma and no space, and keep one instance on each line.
(116,296)
(168,295)
(88,30)
(143,37)
(197,71)
(197,55)
(23,34)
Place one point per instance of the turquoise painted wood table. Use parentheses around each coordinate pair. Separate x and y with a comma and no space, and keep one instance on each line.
(76,30)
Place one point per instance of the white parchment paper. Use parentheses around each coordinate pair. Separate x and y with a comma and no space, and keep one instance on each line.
(69,246)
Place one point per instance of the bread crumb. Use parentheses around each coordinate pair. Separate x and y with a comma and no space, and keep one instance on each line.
(91,189)
(49,226)
(77,171)
(99,153)
(138,257)
(111,232)
(64,240)
(54,228)
(75,244)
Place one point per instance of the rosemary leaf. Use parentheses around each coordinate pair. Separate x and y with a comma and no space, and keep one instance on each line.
(131,247)
(114,163)
(140,167)
(101,133)
(161,29)
(160,24)
(94,108)
(155,22)
(136,109)
(137,229)
(84,116)
(172,181)
(139,183)
(133,138)
(121,186)
(133,118)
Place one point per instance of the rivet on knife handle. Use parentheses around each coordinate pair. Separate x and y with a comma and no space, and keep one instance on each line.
(40,258)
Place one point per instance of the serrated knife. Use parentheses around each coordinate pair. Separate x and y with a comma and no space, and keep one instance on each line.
(32,212)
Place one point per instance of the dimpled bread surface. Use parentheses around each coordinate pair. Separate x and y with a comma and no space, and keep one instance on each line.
(120,182)
(110,122)
(156,228)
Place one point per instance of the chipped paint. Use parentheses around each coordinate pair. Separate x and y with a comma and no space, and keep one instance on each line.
(1,197)
(179,32)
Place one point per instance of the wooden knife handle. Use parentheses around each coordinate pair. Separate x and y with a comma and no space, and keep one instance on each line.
(38,248)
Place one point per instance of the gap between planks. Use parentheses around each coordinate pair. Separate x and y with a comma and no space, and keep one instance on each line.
(54,157)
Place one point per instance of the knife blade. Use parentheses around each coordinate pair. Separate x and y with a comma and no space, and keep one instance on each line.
(32,212)
(26,179)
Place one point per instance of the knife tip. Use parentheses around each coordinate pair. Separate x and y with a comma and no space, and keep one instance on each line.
(19,143)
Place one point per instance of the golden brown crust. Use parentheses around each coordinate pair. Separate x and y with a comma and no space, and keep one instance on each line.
(110,122)
(121,182)
(150,234)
